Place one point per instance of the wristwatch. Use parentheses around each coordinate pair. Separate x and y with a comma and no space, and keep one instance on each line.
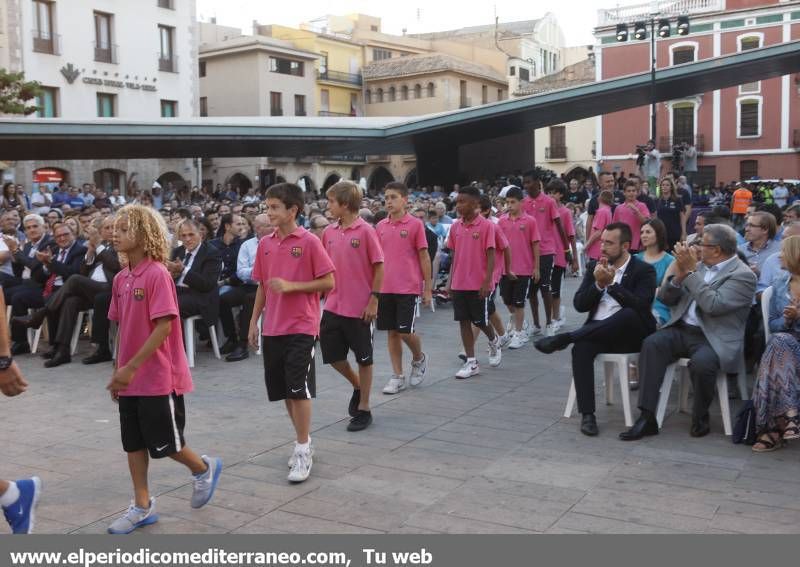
(5,362)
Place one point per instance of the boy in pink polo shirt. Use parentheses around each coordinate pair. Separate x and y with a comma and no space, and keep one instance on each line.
(522,233)
(291,269)
(472,241)
(599,223)
(351,307)
(407,271)
(632,212)
(151,374)
(557,190)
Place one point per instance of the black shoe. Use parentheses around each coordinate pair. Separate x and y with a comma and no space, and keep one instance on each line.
(645,425)
(549,345)
(237,354)
(229,346)
(50,353)
(60,358)
(700,427)
(20,348)
(589,425)
(361,421)
(32,321)
(355,399)
(98,356)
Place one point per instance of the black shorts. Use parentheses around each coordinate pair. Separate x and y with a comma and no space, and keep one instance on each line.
(545,273)
(556,278)
(396,312)
(289,367)
(338,335)
(154,423)
(515,292)
(468,306)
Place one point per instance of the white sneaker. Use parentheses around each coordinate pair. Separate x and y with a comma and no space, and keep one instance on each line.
(470,368)
(505,340)
(418,369)
(534,331)
(134,518)
(519,340)
(294,452)
(557,324)
(394,385)
(550,330)
(495,353)
(302,466)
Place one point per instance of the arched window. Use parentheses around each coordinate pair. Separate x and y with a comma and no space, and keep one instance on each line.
(417,91)
(404,92)
(368,96)
(431,90)
(683,52)
(380,95)
(392,94)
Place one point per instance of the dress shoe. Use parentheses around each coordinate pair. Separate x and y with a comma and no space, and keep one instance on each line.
(700,427)
(20,348)
(645,425)
(50,353)
(98,356)
(589,425)
(549,345)
(60,358)
(229,346)
(239,353)
(32,321)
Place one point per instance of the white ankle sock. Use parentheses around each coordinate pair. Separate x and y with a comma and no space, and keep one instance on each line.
(10,496)
(303,447)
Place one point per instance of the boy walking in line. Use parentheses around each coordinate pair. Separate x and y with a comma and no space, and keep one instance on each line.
(291,269)
(472,241)
(151,374)
(352,306)
(407,270)
(523,239)
(557,190)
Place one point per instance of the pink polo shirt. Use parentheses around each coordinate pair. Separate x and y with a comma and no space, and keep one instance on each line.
(543,209)
(469,243)
(521,232)
(569,230)
(354,251)
(299,257)
(602,219)
(623,213)
(500,245)
(138,298)
(401,242)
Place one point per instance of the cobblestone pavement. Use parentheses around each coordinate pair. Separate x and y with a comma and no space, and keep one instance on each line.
(491,454)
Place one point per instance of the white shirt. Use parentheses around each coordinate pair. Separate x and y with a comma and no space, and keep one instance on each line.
(608,305)
(98,274)
(690,317)
(6,267)
(246,260)
(781,195)
(187,267)
(61,256)
(26,272)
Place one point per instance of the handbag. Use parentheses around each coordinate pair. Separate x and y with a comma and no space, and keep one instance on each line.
(744,430)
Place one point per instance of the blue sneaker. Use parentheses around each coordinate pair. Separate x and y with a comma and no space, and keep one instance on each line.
(134,518)
(205,485)
(20,515)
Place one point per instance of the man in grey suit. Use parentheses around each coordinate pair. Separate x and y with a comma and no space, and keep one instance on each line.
(710,302)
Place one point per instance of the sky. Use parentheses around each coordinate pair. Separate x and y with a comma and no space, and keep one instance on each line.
(576,17)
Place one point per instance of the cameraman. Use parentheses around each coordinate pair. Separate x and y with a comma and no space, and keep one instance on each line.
(651,166)
(690,162)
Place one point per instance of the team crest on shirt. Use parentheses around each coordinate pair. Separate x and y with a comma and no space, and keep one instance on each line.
(355,242)
(138,293)
(403,234)
(476,235)
(541,209)
(297,251)
(522,227)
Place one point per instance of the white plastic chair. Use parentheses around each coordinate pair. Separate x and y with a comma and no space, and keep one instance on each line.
(34,335)
(610,360)
(188,338)
(681,369)
(766,297)
(76,332)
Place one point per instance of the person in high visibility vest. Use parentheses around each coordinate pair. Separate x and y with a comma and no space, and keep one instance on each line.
(742,198)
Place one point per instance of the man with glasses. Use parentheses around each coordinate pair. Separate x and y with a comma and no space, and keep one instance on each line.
(710,302)
(759,234)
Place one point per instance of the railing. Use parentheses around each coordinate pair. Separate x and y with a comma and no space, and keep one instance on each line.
(329,113)
(168,64)
(338,77)
(665,143)
(46,42)
(796,141)
(379,158)
(555,152)
(105,52)
(626,14)
(358,158)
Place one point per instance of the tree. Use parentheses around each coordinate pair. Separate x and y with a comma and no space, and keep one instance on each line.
(16,93)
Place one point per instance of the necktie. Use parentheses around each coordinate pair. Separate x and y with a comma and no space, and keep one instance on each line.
(51,279)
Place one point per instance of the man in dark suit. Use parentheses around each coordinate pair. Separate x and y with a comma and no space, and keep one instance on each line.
(23,256)
(78,293)
(196,267)
(618,295)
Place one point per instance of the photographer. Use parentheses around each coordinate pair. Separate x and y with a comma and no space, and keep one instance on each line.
(649,162)
(690,162)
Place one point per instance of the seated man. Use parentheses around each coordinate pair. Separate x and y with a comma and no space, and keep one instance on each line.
(241,296)
(710,301)
(23,256)
(196,266)
(78,294)
(618,296)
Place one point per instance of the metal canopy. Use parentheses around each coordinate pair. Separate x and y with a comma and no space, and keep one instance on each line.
(50,139)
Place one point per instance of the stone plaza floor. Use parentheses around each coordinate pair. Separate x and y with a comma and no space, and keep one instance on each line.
(491,454)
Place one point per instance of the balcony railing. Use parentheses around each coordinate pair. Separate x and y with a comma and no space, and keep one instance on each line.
(46,42)
(105,53)
(329,113)
(357,158)
(555,152)
(626,14)
(665,143)
(338,77)
(168,64)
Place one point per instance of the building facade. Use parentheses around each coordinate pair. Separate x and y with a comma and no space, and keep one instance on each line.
(741,132)
(105,58)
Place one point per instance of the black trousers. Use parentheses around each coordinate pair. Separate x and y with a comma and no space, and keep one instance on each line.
(100,322)
(243,296)
(623,332)
(76,295)
(21,298)
(666,346)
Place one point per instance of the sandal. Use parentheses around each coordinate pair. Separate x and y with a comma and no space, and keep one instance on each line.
(792,429)
(768,442)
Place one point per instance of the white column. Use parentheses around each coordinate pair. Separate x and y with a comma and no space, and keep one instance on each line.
(785,89)
(598,74)
(717,95)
